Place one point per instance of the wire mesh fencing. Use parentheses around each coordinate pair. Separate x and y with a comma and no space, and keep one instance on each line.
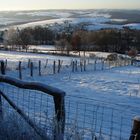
(42,112)
(85,119)
(91,119)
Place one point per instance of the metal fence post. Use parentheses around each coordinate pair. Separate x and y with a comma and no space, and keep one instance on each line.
(135,133)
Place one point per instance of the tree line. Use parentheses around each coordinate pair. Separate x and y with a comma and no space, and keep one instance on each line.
(23,38)
(107,40)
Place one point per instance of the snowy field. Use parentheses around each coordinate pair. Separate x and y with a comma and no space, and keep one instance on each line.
(114,94)
(92,23)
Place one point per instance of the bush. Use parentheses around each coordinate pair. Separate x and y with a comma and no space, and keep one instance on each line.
(132,53)
(112,57)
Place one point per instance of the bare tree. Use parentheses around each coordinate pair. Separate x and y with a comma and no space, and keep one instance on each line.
(11,38)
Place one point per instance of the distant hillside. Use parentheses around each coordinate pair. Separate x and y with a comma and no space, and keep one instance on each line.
(94,17)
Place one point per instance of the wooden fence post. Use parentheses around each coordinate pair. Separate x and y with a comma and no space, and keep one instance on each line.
(135,133)
(54,64)
(60,117)
(1,112)
(81,65)
(20,70)
(84,65)
(72,66)
(2,68)
(29,63)
(59,66)
(5,64)
(46,63)
(39,68)
(31,69)
(95,65)
(76,69)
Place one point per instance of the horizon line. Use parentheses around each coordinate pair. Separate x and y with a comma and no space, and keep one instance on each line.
(70,9)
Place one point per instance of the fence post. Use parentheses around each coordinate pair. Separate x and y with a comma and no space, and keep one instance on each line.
(39,68)
(95,65)
(72,66)
(84,65)
(46,63)
(5,64)
(29,63)
(1,112)
(31,69)
(81,66)
(20,70)
(135,133)
(59,65)
(60,117)
(2,68)
(76,66)
(54,67)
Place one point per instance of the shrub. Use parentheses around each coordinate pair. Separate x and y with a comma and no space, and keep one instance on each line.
(112,57)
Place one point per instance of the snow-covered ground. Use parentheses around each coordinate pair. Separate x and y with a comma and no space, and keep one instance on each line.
(97,23)
(115,90)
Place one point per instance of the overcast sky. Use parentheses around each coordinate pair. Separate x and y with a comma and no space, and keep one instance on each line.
(68,4)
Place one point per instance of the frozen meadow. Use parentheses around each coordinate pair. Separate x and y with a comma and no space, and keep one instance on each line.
(106,100)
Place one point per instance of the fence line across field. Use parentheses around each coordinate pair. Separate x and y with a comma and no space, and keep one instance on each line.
(50,66)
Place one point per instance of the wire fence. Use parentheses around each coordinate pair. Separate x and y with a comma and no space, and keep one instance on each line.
(43,112)
(35,105)
(38,67)
(85,119)
(104,120)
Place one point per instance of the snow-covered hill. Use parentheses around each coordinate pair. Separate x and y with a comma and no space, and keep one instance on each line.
(91,19)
